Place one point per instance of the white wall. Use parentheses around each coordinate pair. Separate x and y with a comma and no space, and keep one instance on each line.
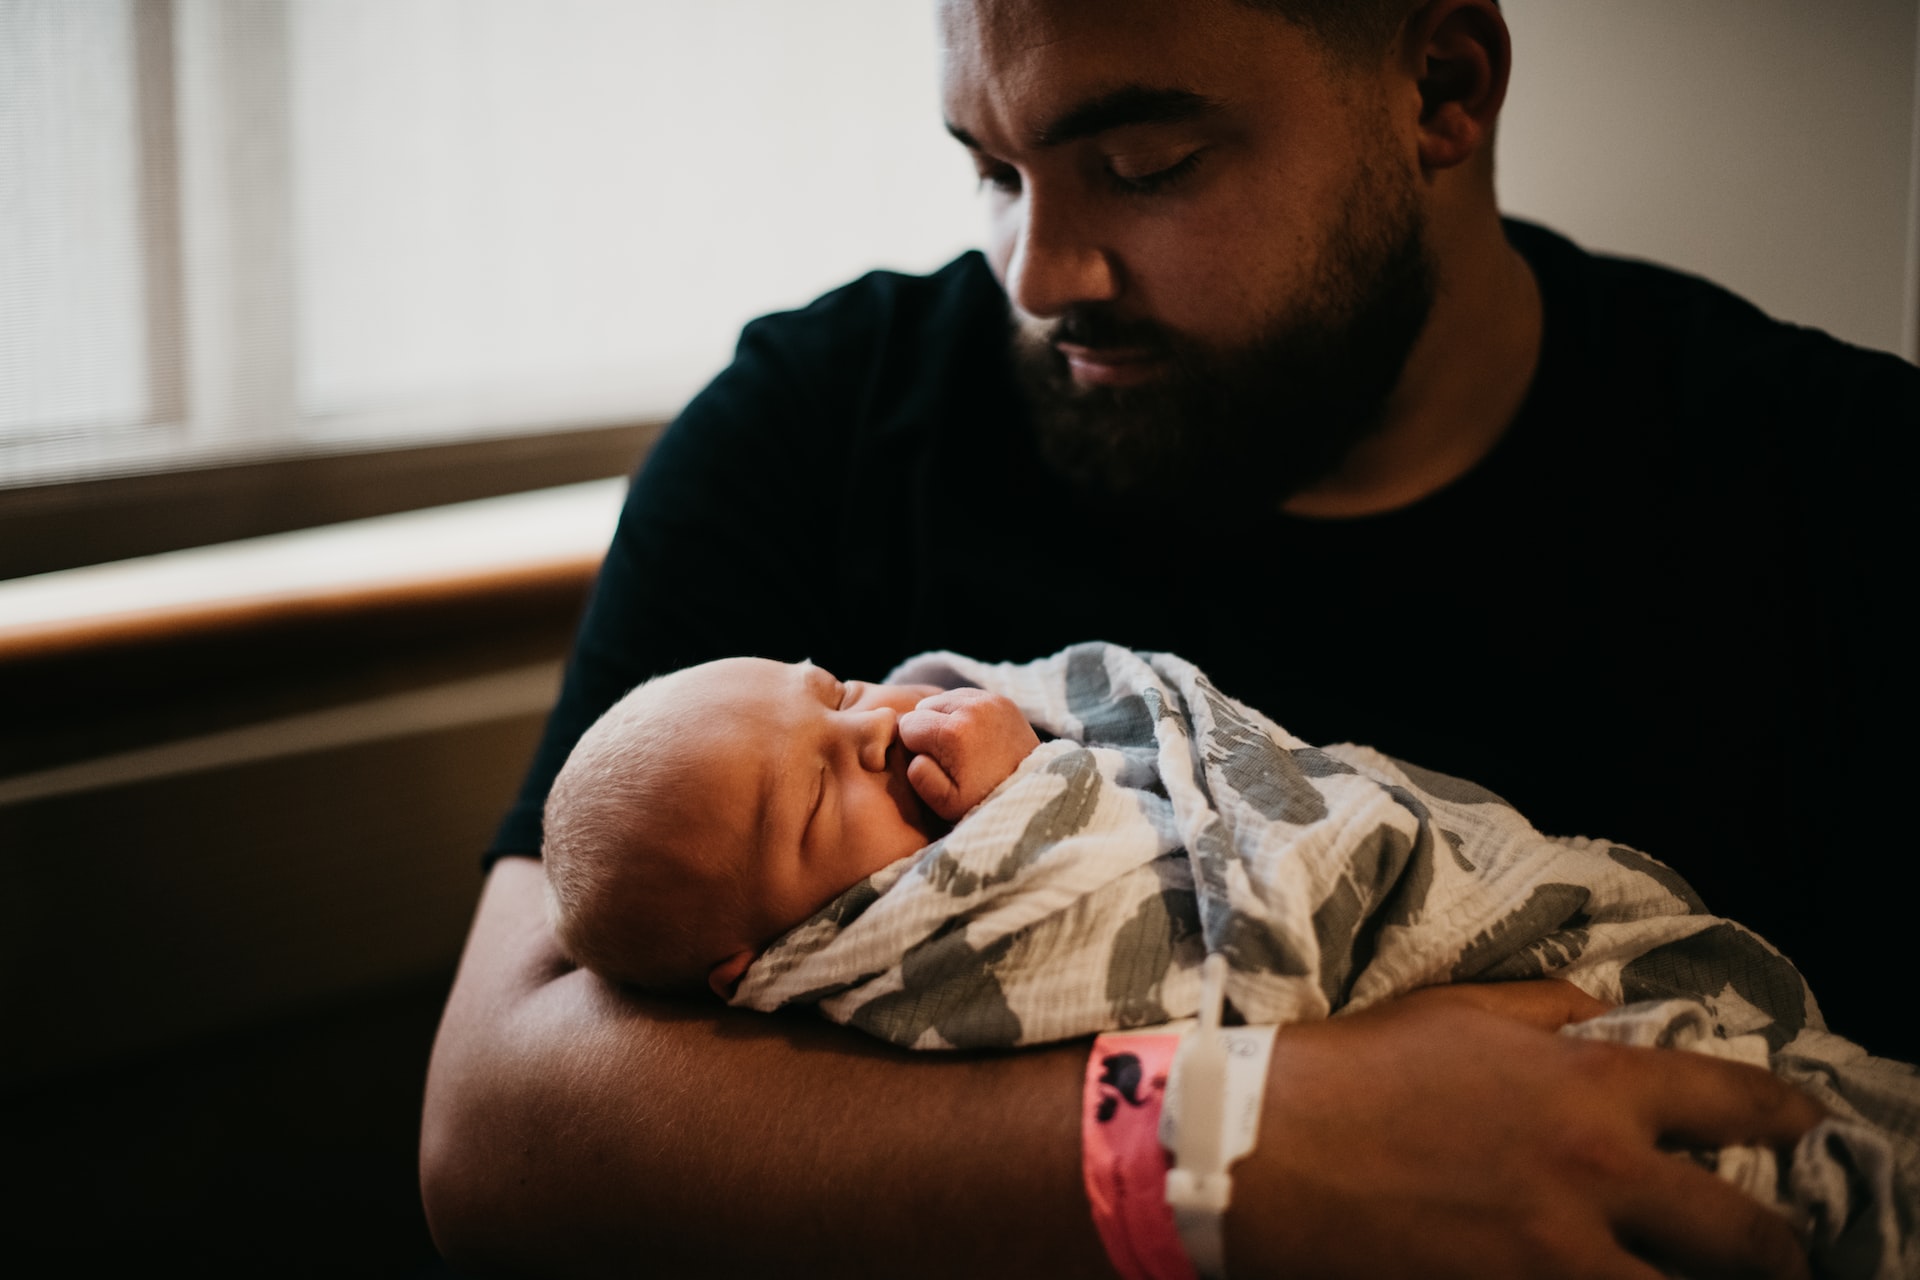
(1768,144)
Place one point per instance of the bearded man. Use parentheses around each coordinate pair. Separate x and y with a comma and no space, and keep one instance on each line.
(1254,372)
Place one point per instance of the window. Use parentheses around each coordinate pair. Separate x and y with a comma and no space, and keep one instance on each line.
(238,230)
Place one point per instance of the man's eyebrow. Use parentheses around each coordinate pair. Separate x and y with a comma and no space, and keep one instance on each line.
(1134,104)
(1130,105)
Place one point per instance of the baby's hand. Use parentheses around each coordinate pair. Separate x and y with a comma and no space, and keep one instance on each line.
(966,743)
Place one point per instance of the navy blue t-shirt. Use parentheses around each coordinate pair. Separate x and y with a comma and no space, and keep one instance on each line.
(1660,611)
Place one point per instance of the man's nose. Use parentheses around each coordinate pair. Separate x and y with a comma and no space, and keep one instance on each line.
(1056,262)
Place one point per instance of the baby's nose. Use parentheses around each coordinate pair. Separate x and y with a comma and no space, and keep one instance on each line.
(877,729)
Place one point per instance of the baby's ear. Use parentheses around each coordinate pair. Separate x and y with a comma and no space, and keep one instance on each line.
(725,976)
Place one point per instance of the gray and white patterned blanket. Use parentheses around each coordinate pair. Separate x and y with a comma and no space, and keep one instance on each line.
(1167,821)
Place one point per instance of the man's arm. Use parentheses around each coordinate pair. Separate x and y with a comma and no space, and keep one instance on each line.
(571,1129)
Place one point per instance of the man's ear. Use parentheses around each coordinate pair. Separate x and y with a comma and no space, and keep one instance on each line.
(725,976)
(1459,53)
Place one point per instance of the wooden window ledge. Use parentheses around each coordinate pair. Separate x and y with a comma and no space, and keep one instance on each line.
(529,543)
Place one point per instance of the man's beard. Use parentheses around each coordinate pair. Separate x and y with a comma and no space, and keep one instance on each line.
(1251,425)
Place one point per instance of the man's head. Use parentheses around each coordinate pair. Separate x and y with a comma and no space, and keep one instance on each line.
(711,810)
(1354,32)
(1219,220)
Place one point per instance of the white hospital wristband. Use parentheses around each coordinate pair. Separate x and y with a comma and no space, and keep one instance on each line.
(1211,1119)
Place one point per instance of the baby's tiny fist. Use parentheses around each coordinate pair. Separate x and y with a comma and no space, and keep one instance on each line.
(935,788)
(971,740)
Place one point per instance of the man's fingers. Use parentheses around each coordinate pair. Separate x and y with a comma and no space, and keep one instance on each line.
(1705,1227)
(1691,1099)
(1698,1101)
(932,784)
(1548,1004)
(1516,1152)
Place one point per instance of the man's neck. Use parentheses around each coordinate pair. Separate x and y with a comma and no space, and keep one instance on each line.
(1463,385)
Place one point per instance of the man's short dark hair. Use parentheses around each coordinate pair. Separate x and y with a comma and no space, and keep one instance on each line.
(1352,29)
(1355,30)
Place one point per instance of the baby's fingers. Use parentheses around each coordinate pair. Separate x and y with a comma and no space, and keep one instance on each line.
(927,728)
(954,699)
(933,785)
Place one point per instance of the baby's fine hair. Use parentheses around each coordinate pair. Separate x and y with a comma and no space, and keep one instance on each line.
(627,894)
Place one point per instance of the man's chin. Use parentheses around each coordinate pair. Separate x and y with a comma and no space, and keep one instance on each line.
(1169,429)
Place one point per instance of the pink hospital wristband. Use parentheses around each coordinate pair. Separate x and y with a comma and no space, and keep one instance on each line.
(1121,1160)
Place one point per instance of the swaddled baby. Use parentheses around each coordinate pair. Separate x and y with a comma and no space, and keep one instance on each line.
(748,809)
(713,809)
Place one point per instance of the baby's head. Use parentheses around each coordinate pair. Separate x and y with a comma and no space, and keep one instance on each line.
(713,809)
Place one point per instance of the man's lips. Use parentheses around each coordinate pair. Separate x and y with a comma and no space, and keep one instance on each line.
(1111,366)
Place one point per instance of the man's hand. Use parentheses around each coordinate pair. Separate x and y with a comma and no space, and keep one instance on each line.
(1546,1003)
(966,743)
(1446,1134)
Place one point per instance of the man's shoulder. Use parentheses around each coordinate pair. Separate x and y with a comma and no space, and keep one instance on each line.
(882,309)
(884,354)
(1642,336)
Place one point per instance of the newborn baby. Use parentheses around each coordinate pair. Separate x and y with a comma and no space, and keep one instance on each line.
(750,824)
(713,809)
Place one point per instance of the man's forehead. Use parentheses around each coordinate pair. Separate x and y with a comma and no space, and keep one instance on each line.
(1022,67)
(1006,29)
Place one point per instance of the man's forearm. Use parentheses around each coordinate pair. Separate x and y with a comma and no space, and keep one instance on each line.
(571,1129)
